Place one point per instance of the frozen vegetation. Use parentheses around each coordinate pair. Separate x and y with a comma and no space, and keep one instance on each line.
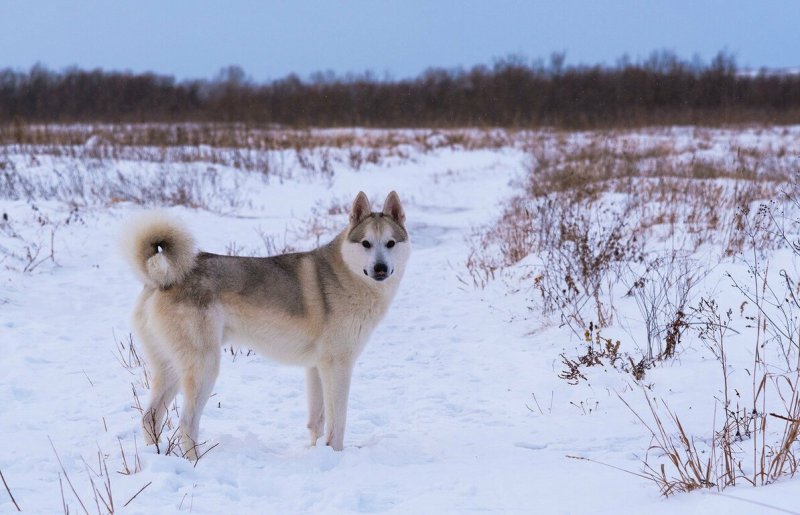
(591,322)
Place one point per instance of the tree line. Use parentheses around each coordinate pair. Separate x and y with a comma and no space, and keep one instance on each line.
(513,92)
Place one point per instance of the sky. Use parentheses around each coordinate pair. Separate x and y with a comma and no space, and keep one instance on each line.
(391,38)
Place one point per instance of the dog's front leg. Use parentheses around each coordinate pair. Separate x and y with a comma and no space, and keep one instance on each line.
(316,407)
(335,378)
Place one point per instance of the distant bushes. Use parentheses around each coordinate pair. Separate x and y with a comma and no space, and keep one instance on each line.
(513,92)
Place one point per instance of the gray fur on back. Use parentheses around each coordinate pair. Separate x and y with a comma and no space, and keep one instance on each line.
(273,282)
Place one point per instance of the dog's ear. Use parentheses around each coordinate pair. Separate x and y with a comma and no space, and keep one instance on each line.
(361,208)
(393,208)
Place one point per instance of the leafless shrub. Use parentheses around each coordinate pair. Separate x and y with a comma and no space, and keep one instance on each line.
(596,206)
(662,294)
(772,454)
(82,183)
(127,355)
(601,352)
(234,249)
(605,353)
(322,223)
(271,246)
(30,251)
(774,296)
(355,158)
(501,245)
(586,261)
(777,323)
(481,267)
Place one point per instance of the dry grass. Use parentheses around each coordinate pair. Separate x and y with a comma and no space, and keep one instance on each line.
(757,440)
(656,214)
(601,352)
(81,183)
(101,486)
(209,166)
(722,463)
(27,248)
(8,490)
(251,137)
(600,209)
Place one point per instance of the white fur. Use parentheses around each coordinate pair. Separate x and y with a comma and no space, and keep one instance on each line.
(171,264)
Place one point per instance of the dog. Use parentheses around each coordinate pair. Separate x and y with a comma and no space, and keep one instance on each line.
(314,309)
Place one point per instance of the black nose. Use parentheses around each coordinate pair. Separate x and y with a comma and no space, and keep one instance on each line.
(381,271)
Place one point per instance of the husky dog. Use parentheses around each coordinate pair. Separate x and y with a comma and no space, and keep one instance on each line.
(314,309)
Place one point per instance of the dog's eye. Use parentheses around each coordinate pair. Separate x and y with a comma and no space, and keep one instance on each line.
(390,244)
(366,244)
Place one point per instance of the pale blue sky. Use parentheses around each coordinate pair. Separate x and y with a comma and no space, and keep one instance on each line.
(269,39)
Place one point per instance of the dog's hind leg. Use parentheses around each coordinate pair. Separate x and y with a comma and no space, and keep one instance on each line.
(197,382)
(163,387)
(163,377)
(335,390)
(163,380)
(200,371)
(316,406)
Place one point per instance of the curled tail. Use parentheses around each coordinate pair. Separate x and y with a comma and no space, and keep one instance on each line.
(160,249)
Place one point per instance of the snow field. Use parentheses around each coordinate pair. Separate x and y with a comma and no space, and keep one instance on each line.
(442,417)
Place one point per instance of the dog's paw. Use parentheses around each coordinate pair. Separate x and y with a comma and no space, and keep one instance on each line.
(191,454)
(313,436)
(336,446)
(150,438)
(189,448)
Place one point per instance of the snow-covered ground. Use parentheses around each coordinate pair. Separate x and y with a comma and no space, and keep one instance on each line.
(442,414)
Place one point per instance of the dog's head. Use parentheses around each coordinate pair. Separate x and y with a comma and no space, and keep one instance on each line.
(376,246)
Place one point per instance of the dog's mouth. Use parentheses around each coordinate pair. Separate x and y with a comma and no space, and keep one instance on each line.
(380,275)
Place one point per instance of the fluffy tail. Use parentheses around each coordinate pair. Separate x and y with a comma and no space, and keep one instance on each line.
(160,249)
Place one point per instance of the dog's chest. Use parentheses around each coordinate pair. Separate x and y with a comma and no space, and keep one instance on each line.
(357,316)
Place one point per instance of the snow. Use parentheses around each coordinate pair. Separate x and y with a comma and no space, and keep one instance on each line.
(442,415)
